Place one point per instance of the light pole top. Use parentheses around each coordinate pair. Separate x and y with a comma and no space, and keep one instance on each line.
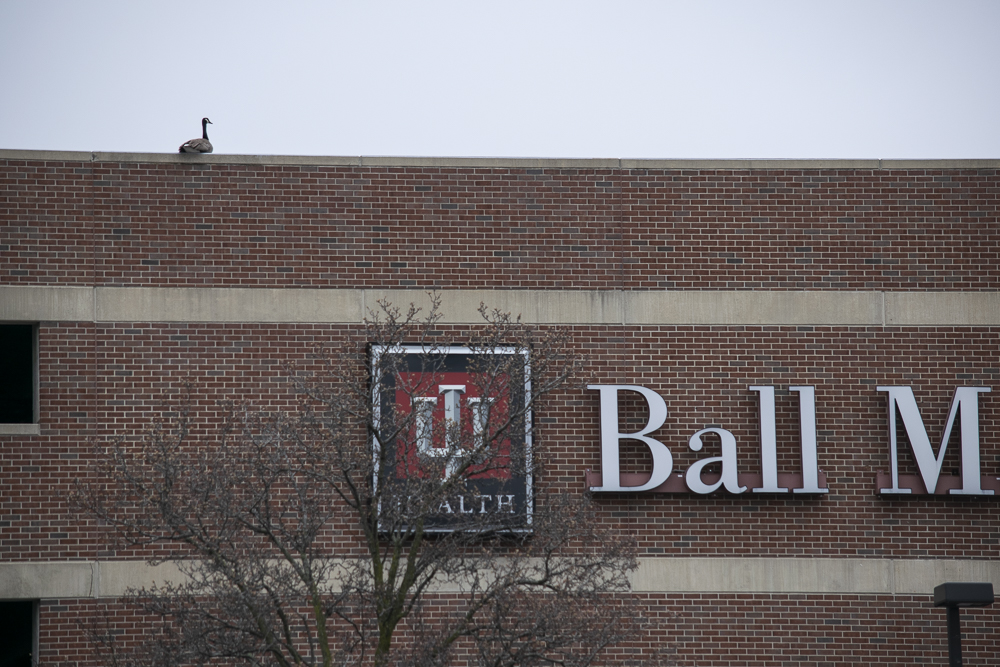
(963,595)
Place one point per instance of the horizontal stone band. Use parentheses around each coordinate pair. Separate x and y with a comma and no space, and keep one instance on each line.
(602,307)
(847,576)
(807,575)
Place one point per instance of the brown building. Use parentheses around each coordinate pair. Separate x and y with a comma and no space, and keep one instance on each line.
(706,282)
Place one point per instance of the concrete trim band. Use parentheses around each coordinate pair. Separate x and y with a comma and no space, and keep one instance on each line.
(846,576)
(600,307)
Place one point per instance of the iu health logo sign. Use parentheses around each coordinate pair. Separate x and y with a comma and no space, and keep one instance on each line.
(455,420)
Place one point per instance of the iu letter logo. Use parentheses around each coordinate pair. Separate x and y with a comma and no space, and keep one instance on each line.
(453,435)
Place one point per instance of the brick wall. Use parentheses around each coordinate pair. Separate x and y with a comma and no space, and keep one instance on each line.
(136,224)
(708,630)
(255,226)
(114,379)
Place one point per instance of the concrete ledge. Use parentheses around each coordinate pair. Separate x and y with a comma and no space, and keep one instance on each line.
(45,156)
(912,576)
(115,578)
(807,575)
(497,162)
(47,580)
(158,304)
(533,306)
(899,165)
(772,307)
(764,575)
(491,162)
(213,158)
(44,302)
(602,307)
(817,576)
(942,308)
(81,579)
(751,164)
(20,429)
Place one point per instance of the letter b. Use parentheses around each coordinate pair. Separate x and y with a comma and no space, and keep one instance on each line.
(663,462)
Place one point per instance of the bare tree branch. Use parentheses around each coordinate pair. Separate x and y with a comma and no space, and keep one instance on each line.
(326,535)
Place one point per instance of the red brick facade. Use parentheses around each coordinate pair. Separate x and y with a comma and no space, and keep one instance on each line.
(198,225)
(637,229)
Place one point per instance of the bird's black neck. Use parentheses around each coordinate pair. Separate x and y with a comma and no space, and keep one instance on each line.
(204,129)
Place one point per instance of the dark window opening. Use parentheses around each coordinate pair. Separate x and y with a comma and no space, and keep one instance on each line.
(17,370)
(17,633)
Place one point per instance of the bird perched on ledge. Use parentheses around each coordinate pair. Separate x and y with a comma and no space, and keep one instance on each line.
(202,145)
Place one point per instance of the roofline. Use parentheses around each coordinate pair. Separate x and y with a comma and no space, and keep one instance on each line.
(494,162)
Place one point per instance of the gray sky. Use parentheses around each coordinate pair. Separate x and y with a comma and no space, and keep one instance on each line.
(872,79)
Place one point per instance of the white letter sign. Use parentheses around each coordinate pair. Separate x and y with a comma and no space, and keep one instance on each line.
(807,438)
(730,476)
(966,401)
(663,462)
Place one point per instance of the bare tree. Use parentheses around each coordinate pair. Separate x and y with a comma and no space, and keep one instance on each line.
(379,523)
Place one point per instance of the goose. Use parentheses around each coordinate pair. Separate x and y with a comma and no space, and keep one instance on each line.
(202,145)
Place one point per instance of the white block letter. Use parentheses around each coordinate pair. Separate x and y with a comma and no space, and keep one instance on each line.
(768,443)
(807,440)
(663,462)
(730,475)
(966,400)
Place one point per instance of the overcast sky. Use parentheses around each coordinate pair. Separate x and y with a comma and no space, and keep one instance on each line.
(765,79)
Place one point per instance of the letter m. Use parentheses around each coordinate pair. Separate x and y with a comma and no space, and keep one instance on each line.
(966,402)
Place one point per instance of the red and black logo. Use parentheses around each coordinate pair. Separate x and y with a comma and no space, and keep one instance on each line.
(454,436)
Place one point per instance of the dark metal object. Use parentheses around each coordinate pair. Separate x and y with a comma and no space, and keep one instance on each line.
(963,595)
(955,596)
